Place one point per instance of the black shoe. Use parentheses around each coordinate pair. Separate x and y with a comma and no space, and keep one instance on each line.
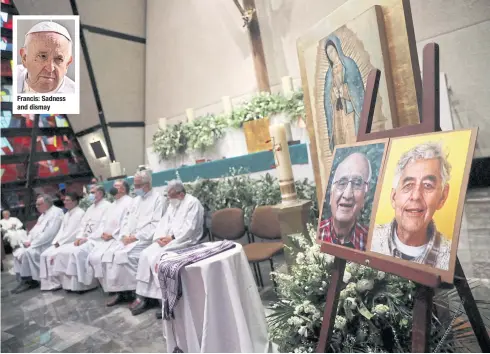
(115,300)
(23,287)
(139,306)
(20,285)
(159,314)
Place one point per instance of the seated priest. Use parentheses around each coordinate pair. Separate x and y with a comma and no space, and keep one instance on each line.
(10,226)
(137,231)
(180,227)
(71,261)
(26,258)
(70,228)
(111,232)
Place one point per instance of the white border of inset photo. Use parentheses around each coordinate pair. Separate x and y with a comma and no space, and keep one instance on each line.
(39,103)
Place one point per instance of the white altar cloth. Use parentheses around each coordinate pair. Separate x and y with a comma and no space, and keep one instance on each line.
(220,310)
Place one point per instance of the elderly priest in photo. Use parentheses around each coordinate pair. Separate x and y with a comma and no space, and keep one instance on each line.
(347,196)
(46,56)
(420,188)
(71,260)
(26,258)
(136,234)
(180,227)
(111,234)
(70,228)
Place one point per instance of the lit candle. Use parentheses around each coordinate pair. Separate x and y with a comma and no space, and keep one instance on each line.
(189,112)
(162,123)
(284,168)
(115,169)
(227,106)
(287,85)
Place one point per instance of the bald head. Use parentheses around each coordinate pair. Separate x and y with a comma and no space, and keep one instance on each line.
(46,56)
(354,164)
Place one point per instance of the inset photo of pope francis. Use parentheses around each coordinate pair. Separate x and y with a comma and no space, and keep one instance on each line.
(347,206)
(417,212)
(45,59)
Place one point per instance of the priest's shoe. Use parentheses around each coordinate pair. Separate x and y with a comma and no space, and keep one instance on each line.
(117,299)
(139,306)
(159,314)
(26,285)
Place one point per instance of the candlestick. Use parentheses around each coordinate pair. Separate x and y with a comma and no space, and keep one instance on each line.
(280,149)
(227,106)
(287,85)
(189,112)
(162,123)
(115,168)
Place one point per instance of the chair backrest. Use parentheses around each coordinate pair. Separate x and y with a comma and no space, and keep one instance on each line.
(265,223)
(228,224)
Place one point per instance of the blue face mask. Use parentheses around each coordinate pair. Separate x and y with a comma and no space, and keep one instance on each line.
(139,192)
(91,197)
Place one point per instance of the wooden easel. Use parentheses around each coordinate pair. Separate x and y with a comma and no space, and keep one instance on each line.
(426,282)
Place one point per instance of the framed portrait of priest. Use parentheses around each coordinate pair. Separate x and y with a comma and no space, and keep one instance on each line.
(418,210)
(46,73)
(346,212)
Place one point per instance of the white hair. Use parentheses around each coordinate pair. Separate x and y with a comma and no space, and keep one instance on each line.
(175,185)
(145,176)
(46,199)
(28,40)
(370,171)
(426,151)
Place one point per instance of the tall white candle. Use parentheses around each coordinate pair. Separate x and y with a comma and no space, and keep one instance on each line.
(227,106)
(162,123)
(281,152)
(115,169)
(189,112)
(287,85)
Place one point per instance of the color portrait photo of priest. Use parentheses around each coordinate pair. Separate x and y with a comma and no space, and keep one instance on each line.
(45,57)
(347,207)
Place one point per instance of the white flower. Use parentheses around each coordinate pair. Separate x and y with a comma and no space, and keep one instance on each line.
(347,277)
(365,285)
(381,275)
(302,331)
(295,321)
(300,258)
(340,323)
(351,303)
(381,309)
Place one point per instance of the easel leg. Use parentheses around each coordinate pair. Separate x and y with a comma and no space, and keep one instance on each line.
(331,305)
(471,308)
(422,316)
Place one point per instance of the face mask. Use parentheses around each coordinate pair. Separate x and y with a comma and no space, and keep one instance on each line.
(139,192)
(113,191)
(174,202)
(91,197)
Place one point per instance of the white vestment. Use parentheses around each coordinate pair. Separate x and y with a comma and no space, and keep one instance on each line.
(71,261)
(185,223)
(112,226)
(69,230)
(10,228)
(26,260)
(122,261)
(66,86)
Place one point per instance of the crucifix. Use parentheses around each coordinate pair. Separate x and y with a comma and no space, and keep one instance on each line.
(250,20)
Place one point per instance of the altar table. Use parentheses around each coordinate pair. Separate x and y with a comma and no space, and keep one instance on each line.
(220,309)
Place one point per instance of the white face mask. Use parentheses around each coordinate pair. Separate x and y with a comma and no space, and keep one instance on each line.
(174,202)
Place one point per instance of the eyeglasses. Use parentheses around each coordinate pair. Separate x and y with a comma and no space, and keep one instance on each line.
(357,183)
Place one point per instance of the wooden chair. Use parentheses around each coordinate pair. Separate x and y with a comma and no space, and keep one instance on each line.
(264,225)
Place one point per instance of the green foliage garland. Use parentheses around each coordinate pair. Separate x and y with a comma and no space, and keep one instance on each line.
(204,131)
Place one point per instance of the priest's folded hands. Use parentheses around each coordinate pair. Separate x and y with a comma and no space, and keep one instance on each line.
(106,237)
(129,239)
(80,241)
(163,241)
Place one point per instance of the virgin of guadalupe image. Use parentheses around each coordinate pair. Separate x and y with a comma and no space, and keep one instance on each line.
(343,94)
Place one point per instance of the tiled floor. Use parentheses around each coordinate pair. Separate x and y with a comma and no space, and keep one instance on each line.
(65,322)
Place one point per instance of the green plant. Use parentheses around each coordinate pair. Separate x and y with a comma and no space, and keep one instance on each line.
(171,141)
(204,131)
(374,311)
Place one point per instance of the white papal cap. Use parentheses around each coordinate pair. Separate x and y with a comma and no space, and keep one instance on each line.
(49,26)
